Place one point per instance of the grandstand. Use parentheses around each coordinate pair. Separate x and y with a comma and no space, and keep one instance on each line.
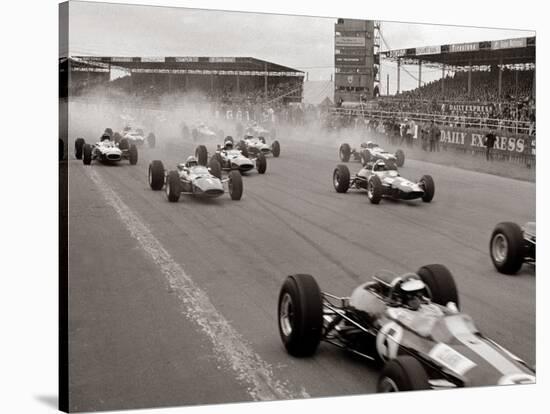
(226,79)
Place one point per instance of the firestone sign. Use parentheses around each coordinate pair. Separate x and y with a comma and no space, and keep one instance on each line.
(464,47)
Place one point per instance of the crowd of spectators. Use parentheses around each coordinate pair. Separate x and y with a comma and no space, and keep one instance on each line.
(451,105)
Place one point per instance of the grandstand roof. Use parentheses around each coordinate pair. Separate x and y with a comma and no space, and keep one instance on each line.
(187,64)
(510,51)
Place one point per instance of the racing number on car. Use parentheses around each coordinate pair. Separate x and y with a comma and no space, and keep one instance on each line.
(388,340)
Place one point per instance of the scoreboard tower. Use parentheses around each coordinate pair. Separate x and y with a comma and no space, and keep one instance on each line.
(354,60)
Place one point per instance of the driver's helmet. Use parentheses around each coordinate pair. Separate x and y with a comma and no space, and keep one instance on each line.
(412,291)
(191,162)
(105,137)
(380,166)
(371,144)
(228,145)
(364,144)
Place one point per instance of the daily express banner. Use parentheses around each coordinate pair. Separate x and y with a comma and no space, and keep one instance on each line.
(506,141)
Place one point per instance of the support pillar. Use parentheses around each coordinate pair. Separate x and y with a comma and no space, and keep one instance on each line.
(443,79)
(469,79)
(388,84)
(419,73)
(265,81)
(500,78)
(238,84)
(398,75)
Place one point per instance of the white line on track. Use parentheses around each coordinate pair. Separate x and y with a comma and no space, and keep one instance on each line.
(229,347)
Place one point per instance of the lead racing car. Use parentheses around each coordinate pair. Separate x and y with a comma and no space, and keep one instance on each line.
(194,179)
(106,151)
(383,180)
(369,152)
(411,323)
(230,158)
(512,245)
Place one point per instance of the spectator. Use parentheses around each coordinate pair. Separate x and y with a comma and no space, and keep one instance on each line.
(490,139)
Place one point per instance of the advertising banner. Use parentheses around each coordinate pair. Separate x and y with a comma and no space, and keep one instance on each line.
(350,60)
(509,43)
(397,53)
(464,47)
(349,41)
(505,141)
(428,50)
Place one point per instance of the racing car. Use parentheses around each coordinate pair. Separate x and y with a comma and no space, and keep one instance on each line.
(370,151)
(410,323)
(106,151)
(383,180)
(194,179)
(512,245)
(255,145)
(231,158)
(201,132)
(136,136)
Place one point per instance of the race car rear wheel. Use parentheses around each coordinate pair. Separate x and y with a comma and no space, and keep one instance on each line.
(427,183)
(215,168)
(276,148)
(87,154)
(156,175)
(340,178)
(133,152)
(400,157)
(117,137)
(151,140)
(300,312)
(404,373)
(202,155)
(243,148)
(173,190)
(235,185)
(78,145)
(365,157)
(374,189)
(507,248)
(344,152)
(440,283)
(261,163)
(124,144)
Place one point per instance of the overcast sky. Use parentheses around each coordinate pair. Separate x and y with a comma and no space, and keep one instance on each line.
(304,43)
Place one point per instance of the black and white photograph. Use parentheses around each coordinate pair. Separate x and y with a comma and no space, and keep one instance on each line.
(257,208)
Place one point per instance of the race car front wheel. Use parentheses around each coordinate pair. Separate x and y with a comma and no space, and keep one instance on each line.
(344,152)
(276,148)
(400,157)
(428,185)
(507,247)
(78,146)
(340,178)
(215,168)
(173,190)
(261,163)
(441,284)
(300,313)
(156,175)
(374,189)
(87,154)
(133,151)
(404,373)
(235,185)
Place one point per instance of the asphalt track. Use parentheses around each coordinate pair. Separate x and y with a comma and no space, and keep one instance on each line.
(139,339)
